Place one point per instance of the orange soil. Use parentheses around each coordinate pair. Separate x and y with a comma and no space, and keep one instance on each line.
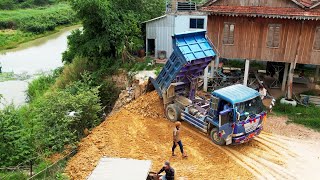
(140,131)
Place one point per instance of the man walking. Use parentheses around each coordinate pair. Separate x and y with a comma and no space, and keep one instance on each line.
(177,140)
(169,171)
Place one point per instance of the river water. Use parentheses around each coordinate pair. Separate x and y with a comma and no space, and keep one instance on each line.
(41,55)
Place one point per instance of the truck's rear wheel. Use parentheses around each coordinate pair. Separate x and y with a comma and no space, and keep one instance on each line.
(173,112)
(214,135)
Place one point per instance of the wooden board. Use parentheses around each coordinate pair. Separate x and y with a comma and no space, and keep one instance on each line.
(250,39)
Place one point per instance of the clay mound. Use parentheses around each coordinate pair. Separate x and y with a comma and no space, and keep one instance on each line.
(149,105)
(138,131)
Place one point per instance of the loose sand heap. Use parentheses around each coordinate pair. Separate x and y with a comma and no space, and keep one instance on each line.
(140,131)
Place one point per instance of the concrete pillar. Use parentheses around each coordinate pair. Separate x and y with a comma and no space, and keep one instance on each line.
(205,79)
(246,72)
(216,62)
(316,77)
(212,69)
(285,76)
(290,81)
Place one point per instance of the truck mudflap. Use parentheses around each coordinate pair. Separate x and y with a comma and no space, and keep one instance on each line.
(226,132)
(246,137)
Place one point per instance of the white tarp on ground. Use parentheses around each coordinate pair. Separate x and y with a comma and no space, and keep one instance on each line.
(118,169)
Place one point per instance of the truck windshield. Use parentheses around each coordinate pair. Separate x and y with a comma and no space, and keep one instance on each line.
(253,106)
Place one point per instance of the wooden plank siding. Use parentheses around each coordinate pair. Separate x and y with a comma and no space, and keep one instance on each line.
(250,39)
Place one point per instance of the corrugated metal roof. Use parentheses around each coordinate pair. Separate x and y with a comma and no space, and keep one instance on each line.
(236,93)
(263,11)
(154,19)
(117,168)
(194,45)
(307,3)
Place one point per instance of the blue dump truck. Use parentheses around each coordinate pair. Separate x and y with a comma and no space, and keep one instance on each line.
(230,115)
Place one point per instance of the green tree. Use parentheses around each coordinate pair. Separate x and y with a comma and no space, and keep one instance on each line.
(109,27)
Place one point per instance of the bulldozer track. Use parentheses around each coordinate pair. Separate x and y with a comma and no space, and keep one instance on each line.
(259,165)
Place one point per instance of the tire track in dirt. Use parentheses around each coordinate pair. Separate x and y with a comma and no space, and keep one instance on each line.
(259,164)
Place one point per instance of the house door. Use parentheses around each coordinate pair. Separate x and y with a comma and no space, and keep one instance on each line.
(151,47)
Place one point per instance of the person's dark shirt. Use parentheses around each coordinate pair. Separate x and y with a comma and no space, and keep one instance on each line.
(169,173)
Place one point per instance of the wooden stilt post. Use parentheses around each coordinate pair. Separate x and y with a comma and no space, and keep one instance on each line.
(285,76)
(316,77)
(290,81)
(246,72)
(205,79)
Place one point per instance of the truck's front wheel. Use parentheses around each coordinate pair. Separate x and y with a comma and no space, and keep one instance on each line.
(214,135)
(172,112)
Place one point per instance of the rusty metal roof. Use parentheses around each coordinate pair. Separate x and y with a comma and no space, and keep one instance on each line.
(263,11)
(307,3)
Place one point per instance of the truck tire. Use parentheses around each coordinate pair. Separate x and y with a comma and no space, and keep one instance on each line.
(215,137)
(173,112)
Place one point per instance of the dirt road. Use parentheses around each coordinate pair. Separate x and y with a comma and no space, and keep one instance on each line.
(140,131)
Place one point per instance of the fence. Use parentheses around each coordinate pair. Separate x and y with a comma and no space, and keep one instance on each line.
(25,170)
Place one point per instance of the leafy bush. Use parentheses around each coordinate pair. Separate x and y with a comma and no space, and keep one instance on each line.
(59,129)
(37,20)
(111,27)
(14,4)
(15,141)
(39,86)
(7,4)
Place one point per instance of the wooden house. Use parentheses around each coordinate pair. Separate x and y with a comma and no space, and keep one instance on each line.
(266,30)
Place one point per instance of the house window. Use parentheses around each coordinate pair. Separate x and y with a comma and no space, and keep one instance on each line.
(196,23)
(316,43)
(228,33)
(273,38)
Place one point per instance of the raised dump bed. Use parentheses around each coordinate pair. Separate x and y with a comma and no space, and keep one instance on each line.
(192,53)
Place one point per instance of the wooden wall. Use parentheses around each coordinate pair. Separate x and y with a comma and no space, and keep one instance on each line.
(270,3)
(250,38)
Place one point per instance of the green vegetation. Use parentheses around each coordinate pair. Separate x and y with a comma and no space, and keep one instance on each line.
(17,4)
(308,116)
(40,85)
(22,25)
(6,76)
(61,106)
(44,125)
(13,175)
(110,28)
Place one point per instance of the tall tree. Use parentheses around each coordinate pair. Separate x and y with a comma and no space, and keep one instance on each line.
(109,26)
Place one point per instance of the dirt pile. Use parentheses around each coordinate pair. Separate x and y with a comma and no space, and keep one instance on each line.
(149,105)
(139,131)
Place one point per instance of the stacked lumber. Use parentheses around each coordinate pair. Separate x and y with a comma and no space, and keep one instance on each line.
(312,99)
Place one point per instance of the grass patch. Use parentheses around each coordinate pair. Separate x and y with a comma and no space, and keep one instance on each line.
(12,175)
(7,76)
(147,64)
(23,25)
(307,116)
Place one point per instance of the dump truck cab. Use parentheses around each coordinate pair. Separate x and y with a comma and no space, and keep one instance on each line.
(177,85)
(241,120)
